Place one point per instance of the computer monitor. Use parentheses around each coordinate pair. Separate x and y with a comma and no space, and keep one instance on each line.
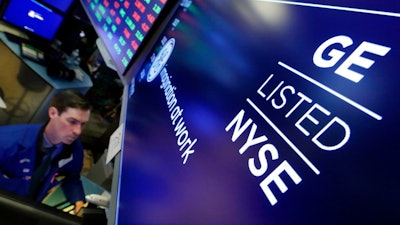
(265,112)
(125,26)
(33,17)
(61,5)
(17,210)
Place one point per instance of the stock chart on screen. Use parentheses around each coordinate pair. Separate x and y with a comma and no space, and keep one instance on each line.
(123,25)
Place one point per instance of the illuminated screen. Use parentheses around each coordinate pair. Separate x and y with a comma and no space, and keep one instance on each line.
(123,25)
(266,112)
(33,17)
(62,5)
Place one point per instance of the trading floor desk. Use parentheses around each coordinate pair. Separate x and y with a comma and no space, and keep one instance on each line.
(25,87)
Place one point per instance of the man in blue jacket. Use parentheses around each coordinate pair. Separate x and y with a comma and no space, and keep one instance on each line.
(36,157)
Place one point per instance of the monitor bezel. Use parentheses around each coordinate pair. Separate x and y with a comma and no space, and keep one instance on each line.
(148,41)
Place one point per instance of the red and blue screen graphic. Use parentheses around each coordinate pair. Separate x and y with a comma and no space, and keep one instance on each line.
(123,25)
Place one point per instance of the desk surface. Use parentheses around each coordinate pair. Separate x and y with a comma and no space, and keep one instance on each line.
(80,85)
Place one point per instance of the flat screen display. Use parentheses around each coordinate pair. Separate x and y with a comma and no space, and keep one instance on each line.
(33,17)
(62,5)
(123,26)
(17,210)
(266,112)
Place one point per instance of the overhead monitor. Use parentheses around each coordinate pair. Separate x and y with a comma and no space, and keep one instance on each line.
(61,5)
(123,26)
(33,17)
(266,112)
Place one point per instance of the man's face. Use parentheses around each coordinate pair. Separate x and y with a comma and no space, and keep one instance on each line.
(67,126)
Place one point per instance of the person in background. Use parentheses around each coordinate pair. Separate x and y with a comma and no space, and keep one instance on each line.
(34,158)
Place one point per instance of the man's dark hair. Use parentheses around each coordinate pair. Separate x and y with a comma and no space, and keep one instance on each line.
(69,99)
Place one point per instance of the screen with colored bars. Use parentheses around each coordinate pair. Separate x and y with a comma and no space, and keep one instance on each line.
(123,25)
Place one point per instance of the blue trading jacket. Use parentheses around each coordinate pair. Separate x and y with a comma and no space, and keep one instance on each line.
(18,150)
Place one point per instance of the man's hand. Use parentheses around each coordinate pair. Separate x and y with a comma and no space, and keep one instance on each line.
(78,206)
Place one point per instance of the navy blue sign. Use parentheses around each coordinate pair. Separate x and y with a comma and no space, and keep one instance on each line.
(266,112)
